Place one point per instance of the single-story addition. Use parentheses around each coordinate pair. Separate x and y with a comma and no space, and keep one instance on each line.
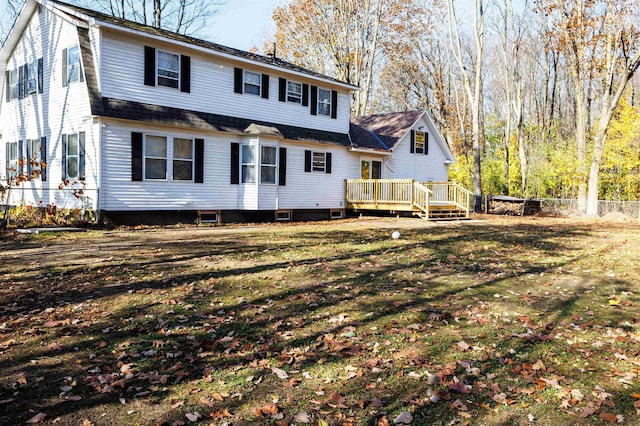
(155,126)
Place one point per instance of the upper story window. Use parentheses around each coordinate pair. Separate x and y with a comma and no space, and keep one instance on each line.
(324,102)
(248,158)
(168,69)
(32,77)
(252,83)
(73,71)
(419,142)
(268,165)
(182,159)
(155,157)
(13,84)
(294,92)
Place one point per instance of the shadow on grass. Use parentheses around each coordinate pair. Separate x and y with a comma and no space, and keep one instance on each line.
(304,301)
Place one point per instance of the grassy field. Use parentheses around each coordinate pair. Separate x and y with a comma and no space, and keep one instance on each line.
(506,321)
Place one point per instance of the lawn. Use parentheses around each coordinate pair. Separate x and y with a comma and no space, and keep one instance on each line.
(505,321)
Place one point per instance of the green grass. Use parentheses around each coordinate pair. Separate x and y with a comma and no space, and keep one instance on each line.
(146,326)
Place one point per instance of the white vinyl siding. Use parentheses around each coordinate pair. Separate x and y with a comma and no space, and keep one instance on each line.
(212,86)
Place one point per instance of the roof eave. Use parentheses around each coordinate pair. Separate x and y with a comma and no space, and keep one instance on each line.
(370,151)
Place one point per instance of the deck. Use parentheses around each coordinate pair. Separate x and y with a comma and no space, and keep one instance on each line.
(430,200)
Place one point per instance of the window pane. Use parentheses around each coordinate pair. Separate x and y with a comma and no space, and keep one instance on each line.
(168,61)
(156,146)
(324,109)
(318,161)
(72,144)
(252,78)
(182,148)
(251,89)
(72,167)
(248,154)
(182,170)
(324,95)
(269,155)
(268,174)
(73,56)
(73,64)
(155,169)
(32,75)
(248,174)
(167,82)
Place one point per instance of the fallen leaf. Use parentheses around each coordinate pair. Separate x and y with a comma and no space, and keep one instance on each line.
(302,417)
(608,417)
(460,387)
(280,373)
(403,418)
(337,398)
(38,418)
(193,417)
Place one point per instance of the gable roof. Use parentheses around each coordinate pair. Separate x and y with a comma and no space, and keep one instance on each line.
(125,24)
(383,132)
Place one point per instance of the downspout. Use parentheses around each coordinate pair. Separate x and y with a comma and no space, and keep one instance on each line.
(386,164)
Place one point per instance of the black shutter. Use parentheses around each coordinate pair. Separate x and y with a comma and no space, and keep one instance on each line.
(64,157)
(282,91)
(265,86)
(40,76)
(413,141)
(43,158)
(21,85)
(238,76)
(65,78)
(28,159)
(334,104)
(307,161)
(282,167)
(327,163)
(81,174)
(80,70)
(305,95)
(7,87)
(136,156)
(185,73)
(314,100)
(426,143)
(149,66)
(199,160)
(235,163)
(20,157)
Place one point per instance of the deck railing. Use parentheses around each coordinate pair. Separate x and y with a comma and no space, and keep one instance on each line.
(405,195)
(448,193)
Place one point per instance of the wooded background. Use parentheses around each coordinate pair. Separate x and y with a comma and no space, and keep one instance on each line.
(536,99)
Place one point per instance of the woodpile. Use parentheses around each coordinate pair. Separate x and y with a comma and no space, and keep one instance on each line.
(513,206)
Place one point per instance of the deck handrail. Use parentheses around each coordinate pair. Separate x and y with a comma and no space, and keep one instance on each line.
(406,194)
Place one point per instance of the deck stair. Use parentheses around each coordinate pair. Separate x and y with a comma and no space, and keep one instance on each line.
(429,200)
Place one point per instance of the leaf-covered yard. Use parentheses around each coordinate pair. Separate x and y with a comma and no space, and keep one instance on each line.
(508,321)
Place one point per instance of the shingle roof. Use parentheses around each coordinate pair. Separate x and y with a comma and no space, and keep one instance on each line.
(267,60)
(382,131)
(156,114)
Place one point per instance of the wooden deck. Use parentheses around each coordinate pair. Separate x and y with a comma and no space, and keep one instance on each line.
(430,200)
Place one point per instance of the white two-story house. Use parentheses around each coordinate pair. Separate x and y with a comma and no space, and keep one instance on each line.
(148,124)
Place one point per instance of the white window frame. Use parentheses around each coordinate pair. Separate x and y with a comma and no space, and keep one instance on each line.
(34,160)
(75,65)
(73,139)
(13,163)
(167,78)
(317,164)
(248,165)
(32,77)
(294,95)
(14,84)
(145,157)
(265,166)
(175,159)
(246,83)
(419,147)
(324,107)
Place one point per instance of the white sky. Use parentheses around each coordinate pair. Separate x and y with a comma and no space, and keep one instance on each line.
(243,23)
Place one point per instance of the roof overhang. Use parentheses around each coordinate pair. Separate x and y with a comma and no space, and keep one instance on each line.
(371,151)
